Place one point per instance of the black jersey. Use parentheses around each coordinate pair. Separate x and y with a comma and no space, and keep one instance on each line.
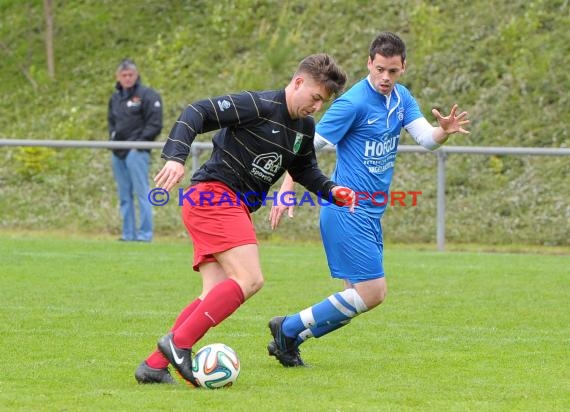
(257,142)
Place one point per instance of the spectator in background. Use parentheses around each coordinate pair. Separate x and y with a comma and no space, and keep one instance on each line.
(135,114)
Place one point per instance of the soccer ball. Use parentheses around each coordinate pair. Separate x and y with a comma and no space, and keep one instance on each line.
(215,366)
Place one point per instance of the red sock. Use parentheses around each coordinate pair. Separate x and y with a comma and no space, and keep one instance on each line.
(157,359)
(221,302)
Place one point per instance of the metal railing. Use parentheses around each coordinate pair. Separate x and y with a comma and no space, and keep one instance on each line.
(198,147)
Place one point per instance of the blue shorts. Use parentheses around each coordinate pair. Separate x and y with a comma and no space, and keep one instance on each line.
(353,244)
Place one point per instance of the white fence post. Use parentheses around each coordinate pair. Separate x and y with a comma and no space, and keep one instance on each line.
(440,222)
(195,158)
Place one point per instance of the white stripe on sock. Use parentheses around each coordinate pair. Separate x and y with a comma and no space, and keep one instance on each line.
(341,308)
(306,334)
(307,318)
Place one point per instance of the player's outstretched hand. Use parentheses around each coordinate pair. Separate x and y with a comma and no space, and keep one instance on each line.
(452,123)
(171,174)
(344,196)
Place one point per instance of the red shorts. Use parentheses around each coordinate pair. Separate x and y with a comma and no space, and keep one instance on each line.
(216,220)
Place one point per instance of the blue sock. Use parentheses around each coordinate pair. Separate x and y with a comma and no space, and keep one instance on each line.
(325,329)
(328,313)
(318,332)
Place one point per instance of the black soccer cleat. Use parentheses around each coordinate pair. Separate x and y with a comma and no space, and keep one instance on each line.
(180,358)
(145,374)
(282,347)
(289,360)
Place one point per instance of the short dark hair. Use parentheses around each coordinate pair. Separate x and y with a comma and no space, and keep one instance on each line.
(324,69)
(388,44)
(126,64)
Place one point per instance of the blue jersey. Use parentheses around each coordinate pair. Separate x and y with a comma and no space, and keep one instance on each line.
(365,126)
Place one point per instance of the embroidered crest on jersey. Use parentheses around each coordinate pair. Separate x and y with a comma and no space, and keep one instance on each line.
(224,104)
(265,166)
(400,113)
(298,141)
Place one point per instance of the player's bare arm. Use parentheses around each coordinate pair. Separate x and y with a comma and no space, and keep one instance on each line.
(288,185)
(279,208)
(342,196)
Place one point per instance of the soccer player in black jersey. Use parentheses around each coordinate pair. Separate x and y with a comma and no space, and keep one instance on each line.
(261,135)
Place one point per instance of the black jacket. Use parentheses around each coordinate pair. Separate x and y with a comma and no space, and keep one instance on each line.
(134,114)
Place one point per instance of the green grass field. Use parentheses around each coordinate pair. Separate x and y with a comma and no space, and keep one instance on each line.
(460,331)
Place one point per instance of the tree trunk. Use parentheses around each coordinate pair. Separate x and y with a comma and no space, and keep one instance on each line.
(48,11)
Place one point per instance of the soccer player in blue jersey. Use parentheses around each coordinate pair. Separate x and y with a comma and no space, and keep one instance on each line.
(365,125)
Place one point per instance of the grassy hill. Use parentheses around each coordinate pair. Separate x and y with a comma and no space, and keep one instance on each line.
(505,63)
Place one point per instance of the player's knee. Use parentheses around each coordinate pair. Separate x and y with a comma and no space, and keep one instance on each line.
(374,294)
(353,298)
(252,285)
(381,296)
(257,284)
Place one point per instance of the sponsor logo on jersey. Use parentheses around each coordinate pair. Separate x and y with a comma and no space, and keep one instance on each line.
(380,155)
(379,148)
(265,166)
